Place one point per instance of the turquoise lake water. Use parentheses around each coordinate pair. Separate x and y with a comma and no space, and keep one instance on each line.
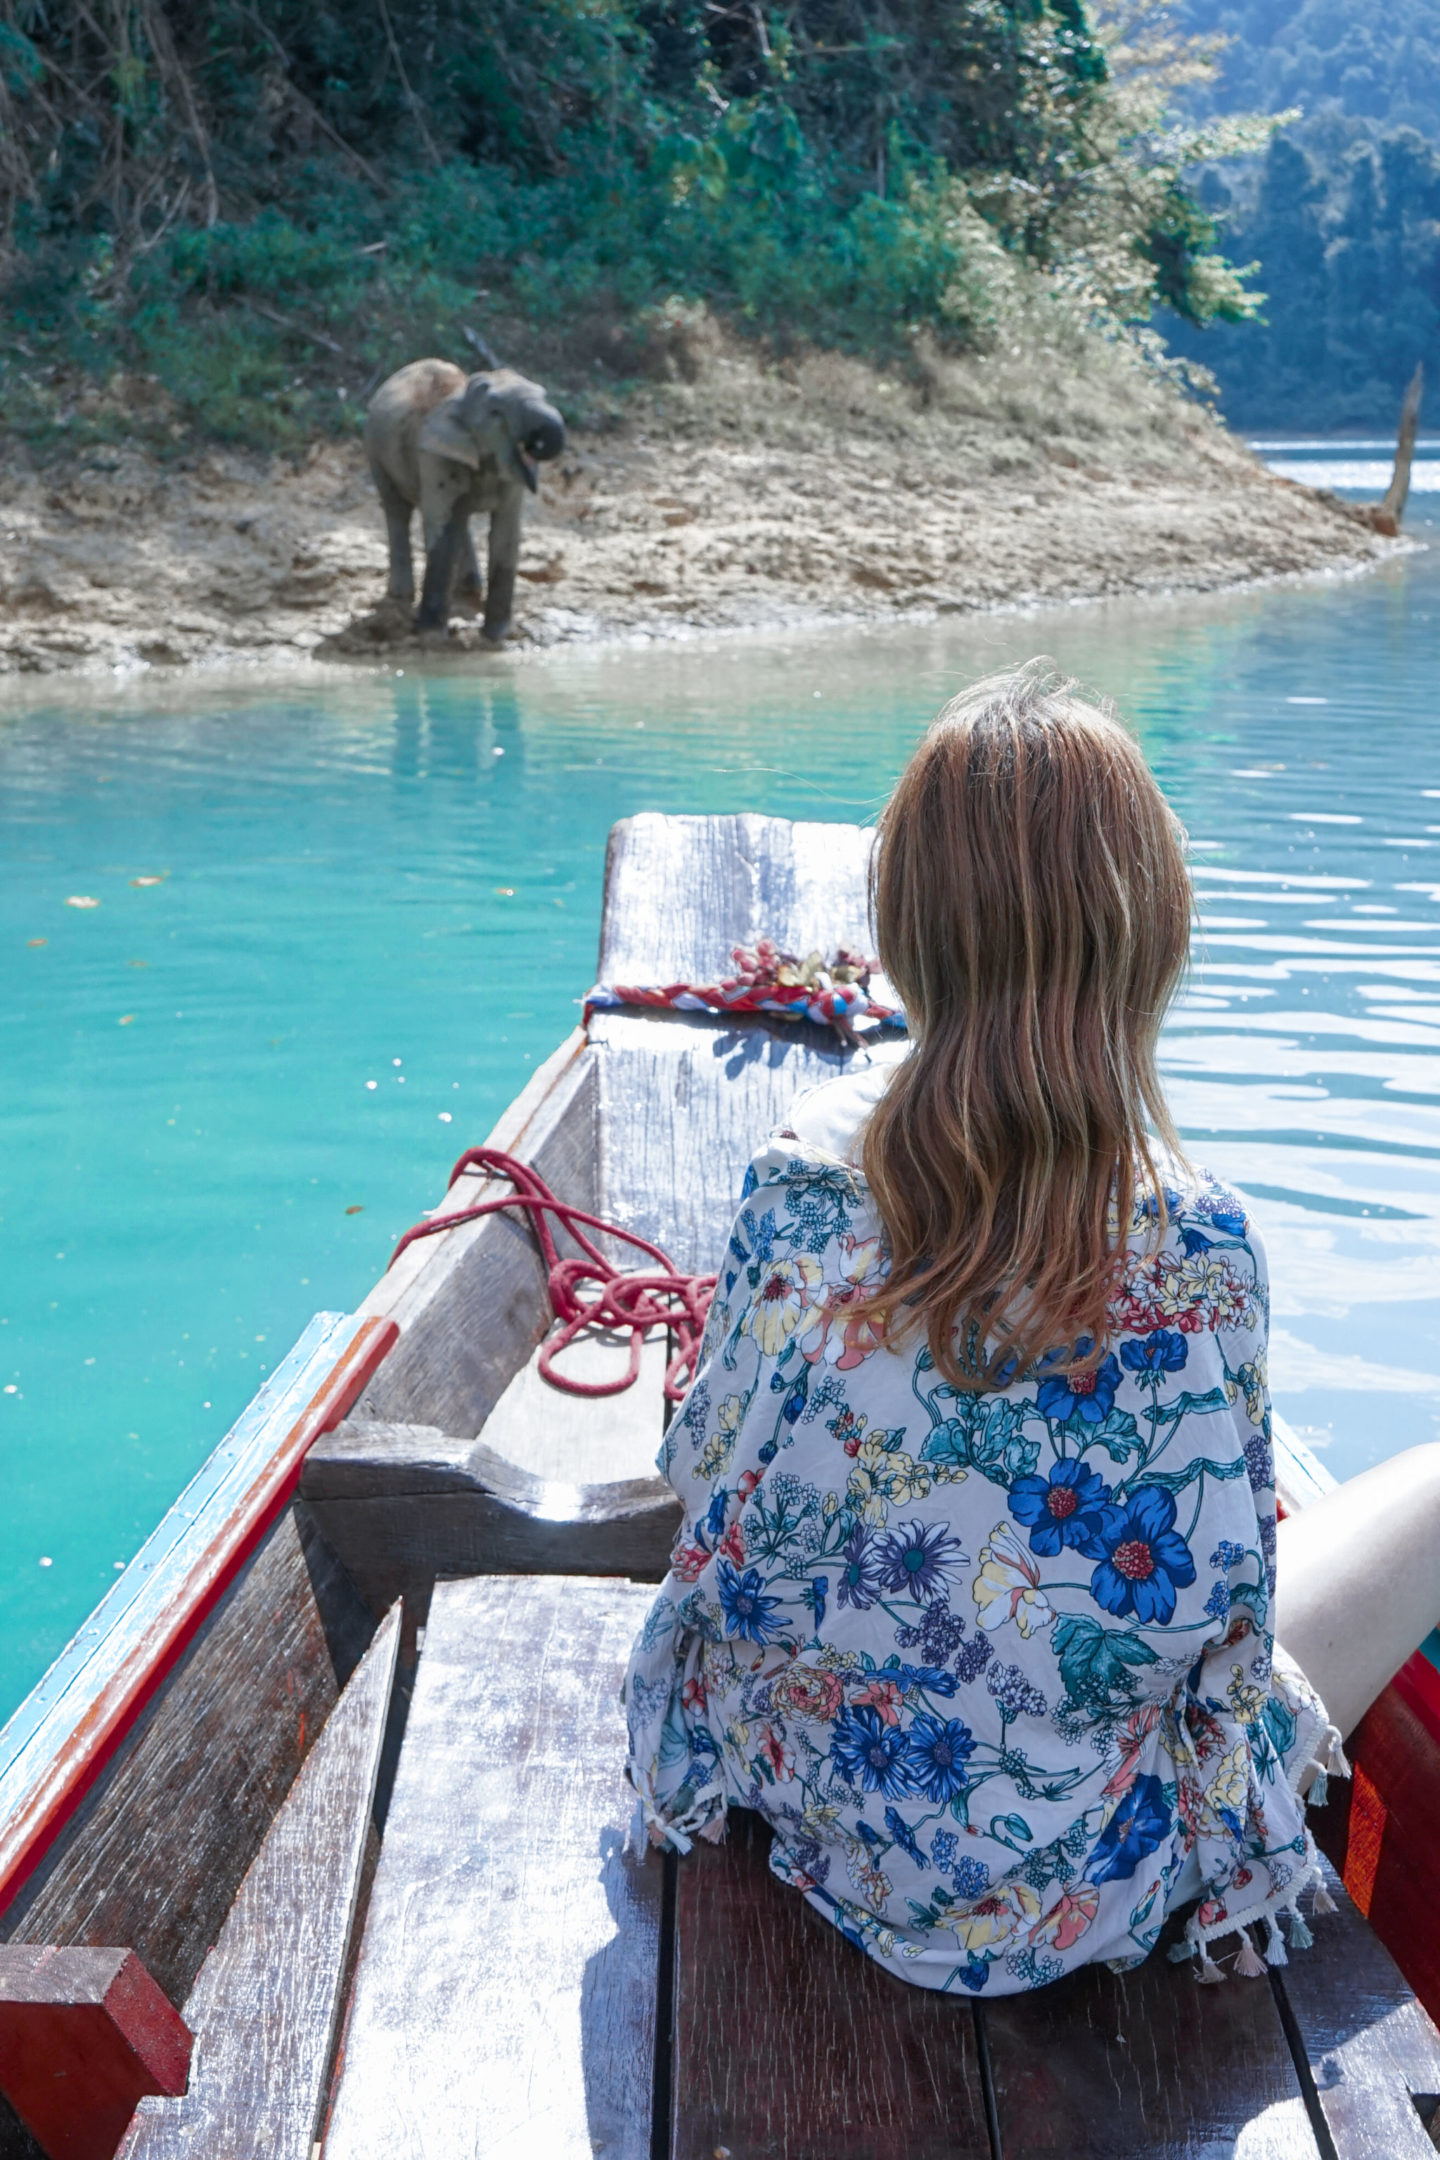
(226,1092)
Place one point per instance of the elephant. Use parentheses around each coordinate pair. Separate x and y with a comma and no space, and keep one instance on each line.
(449,445)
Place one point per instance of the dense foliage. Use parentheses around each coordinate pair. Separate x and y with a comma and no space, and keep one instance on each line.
(1343,214)
(261,203)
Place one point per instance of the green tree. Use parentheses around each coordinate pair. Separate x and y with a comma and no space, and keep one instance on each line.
(1340,341)
(227,192)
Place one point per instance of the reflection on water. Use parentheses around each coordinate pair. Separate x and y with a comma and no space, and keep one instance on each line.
(378,903)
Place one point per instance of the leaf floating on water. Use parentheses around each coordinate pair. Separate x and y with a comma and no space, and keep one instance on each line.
(151,880)
(358,1210)
(81,900)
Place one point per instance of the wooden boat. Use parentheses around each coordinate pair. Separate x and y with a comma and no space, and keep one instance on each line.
(313,1840)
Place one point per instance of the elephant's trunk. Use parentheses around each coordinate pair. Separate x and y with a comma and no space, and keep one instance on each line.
(543,439)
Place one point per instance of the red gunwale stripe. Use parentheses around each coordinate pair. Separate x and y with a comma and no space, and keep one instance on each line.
(1367,1834)
(91,1742)
(1418,1685)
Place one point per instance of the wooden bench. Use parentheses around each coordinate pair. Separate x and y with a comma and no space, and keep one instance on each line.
(264,2007)
(527,1987)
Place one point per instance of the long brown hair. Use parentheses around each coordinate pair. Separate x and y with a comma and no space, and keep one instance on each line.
(1032,908)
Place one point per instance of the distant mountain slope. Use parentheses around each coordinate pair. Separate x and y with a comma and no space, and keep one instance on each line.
(1343,212)
(1380,65)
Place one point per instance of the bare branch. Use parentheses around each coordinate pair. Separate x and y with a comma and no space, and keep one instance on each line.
(415,106)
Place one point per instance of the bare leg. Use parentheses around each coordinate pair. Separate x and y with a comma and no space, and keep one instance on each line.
(1359,1580)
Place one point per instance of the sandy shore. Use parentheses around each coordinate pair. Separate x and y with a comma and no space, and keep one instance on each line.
(742,498)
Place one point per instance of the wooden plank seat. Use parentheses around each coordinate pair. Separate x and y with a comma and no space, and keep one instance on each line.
(505,1997)
(525,1986)
(264,2007)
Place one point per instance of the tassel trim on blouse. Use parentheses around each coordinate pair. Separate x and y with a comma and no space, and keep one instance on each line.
(1329,1760)
(706,1818)
(1198,1942)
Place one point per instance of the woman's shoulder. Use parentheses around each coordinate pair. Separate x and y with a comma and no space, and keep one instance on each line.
(826,1123)
(1205,1271)
(1201,1211)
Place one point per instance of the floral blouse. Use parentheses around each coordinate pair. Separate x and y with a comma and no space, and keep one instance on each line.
(997,1668)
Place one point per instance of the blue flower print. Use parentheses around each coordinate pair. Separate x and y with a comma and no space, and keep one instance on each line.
(697,1409)
(1164,1351)
(1034,1968)
(916,1560)
(939,1751)
(1259,1462)
(1014,1693)
(1146,1559)
(1224,1210)
(973,1659)
(1138,1826)
(1090,1396)
(869,1753)
(933,1678)
(963,1647)
(971,1878)
(1069,1507)
(860,1581)
(904,1836)
(748,1612)
(937,1635)
(714,1521)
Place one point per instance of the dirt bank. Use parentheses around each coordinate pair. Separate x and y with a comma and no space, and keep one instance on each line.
(731,496)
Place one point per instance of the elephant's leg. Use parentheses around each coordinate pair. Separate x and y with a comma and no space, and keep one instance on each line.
(504,562)
(469,586)
(443,544)
(398,514)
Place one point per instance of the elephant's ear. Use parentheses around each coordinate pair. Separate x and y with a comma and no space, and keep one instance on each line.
(446,435)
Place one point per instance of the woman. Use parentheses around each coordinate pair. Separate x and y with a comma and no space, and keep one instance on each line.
(974,1596)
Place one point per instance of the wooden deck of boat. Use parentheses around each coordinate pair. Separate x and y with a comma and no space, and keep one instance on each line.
(526,1985)
(441,1947)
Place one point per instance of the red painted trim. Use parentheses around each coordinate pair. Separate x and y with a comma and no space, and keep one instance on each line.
(84,2036)
(1418,1685)
(1368,1816)
(91,1742)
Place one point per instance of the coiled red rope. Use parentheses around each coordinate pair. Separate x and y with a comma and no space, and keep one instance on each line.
(633,1303)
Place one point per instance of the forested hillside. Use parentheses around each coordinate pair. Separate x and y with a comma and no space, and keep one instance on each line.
(1342,212)
(256,207)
